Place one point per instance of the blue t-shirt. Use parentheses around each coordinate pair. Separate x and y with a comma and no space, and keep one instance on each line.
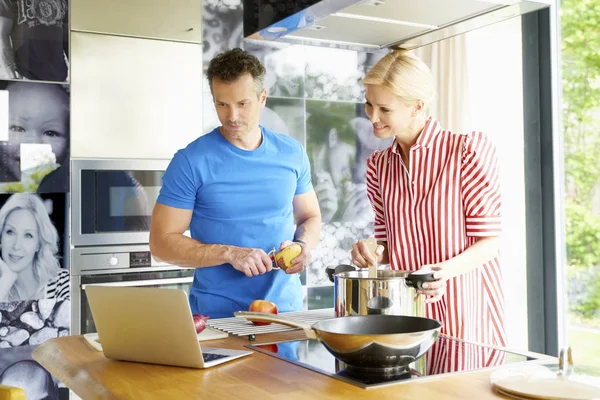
(239,198)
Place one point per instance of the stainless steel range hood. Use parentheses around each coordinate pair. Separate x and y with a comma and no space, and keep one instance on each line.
(374,25)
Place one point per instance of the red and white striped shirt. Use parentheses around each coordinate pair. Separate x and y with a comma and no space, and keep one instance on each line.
(433,210)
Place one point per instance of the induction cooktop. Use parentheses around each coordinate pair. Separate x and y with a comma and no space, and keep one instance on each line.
(447,356)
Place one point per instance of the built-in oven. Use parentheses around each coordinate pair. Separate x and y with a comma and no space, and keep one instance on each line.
(112,200)
(131,266)
(111,209)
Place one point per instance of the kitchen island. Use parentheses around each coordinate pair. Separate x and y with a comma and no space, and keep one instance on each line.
(258,376)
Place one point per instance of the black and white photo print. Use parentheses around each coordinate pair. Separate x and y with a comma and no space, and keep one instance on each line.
(32,322)
(222,29)
(31,248)
(34,282)
(18,369)
(34,40)
(285,115)
(284,64)
(35,155)
(331,74)
(339,141)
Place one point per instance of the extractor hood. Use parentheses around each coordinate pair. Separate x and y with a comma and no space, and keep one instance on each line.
(374,25)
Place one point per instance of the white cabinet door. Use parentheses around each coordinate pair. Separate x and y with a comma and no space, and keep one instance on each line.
(133,98)
(159,19)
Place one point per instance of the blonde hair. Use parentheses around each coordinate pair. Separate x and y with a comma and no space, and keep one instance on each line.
(405,75)
(45,262)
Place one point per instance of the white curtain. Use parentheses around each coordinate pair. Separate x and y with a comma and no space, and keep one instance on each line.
(447,60)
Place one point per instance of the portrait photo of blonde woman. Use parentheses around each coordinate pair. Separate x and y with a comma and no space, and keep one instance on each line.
(29,250)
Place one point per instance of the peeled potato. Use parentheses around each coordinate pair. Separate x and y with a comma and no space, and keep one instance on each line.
(284,258)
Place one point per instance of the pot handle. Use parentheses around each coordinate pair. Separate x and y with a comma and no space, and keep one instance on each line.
(416,279)
(331,271)
(278,319)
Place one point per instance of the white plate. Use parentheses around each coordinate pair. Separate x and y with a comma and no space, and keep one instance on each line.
(542,382)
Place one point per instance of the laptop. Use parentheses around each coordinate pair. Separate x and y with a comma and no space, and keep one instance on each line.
(151,325)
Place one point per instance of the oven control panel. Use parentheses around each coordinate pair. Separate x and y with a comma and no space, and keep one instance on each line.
(97,259)
(140,259)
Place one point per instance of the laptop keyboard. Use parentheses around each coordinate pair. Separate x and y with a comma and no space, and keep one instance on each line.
(212,357)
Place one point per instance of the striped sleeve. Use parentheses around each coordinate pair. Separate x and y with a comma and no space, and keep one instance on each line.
(58,288)
(481,186)
(374,194)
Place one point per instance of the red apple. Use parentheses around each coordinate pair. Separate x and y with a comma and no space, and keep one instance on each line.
(271,348)
(264,306)
(200,322)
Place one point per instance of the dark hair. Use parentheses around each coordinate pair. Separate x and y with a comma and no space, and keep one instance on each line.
(231,64)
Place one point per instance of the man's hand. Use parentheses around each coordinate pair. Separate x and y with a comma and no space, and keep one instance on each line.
(251,261)
(300,262)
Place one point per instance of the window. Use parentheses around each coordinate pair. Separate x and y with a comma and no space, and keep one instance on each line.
(580,63)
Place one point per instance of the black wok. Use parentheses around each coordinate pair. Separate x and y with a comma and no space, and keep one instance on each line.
(366,341)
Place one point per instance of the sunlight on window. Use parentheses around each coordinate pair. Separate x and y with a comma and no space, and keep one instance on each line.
(580,44)
(496,97)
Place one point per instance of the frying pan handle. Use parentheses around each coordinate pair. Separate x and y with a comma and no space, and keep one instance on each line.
(278,319)
(416,279)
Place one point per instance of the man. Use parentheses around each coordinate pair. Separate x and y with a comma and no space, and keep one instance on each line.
(239,189)
(34,40)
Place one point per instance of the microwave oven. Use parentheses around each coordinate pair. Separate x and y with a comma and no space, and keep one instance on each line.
(112,200)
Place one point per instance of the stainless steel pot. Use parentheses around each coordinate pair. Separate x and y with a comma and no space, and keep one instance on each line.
(391,293)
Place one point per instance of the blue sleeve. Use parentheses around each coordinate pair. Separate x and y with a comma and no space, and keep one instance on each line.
(304,177)
(179,185)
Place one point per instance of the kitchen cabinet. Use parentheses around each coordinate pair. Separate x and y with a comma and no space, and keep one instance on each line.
(179,20)
(133,98)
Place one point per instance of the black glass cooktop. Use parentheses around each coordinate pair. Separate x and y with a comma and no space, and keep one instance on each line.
(447,356)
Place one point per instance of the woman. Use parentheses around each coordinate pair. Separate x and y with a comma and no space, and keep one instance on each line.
(436,199)
(29,268)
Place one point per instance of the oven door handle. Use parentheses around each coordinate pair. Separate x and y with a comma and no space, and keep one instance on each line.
(148,282)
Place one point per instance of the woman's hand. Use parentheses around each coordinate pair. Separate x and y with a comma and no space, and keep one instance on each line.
(6,273)
(362,256)
(8,277)
(434,290)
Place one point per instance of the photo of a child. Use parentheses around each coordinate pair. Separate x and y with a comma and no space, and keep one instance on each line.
(36,156)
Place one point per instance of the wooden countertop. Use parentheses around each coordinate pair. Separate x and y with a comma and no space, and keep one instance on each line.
(92,376)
